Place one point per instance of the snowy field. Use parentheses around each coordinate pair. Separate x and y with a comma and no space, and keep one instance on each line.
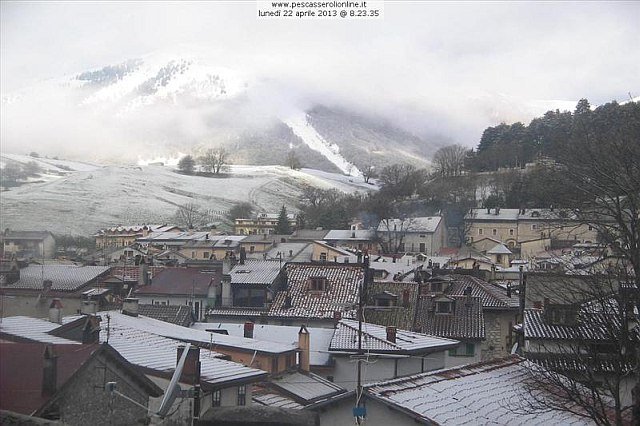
(89,197)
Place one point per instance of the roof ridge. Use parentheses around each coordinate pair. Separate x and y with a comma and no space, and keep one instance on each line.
(374,337)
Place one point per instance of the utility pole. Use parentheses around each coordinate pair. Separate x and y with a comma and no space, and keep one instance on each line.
(359,410)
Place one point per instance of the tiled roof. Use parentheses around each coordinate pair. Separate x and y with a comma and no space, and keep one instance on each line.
(181,281)
(465,322)
(305,388)
(63,277)
(132,273)
(398,316)
(174,314)
(255,272)
(374,339)
(492,296)
(341,293)
(426,224)
(483,393)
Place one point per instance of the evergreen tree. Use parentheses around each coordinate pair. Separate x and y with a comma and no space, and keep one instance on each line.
(186,164)
(283,227)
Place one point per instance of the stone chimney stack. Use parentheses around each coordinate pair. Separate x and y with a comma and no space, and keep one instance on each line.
(130,306)
(391,334)
(55,311)
(304,345)
(49,372)
(89,307)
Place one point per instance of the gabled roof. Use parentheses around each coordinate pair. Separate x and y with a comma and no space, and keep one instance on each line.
(482,393)
(499,249)
(341,293)
(493,297)
(465,322)
(374,340)
(62,277)
(181,315)
(22,367)
(181,281)
(427,224)
(399,316)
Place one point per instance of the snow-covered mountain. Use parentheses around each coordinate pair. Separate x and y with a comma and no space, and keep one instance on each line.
(163,105)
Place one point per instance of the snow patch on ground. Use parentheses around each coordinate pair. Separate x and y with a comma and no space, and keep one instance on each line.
(300,125)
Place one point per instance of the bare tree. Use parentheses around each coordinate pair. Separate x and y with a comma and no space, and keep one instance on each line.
(391,234)
(449,160)
(292,161)
(369,172)
(189,215)
(215,160)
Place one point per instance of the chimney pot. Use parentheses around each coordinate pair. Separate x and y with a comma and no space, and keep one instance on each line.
(304,345)
(88,307)
(55,311)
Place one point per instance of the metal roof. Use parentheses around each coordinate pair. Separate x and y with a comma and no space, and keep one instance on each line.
(255,272)
(32,329)
(346,234)
(274,400)
(62,277)
(426,224)
(374,339)
(306,387)
(483,393)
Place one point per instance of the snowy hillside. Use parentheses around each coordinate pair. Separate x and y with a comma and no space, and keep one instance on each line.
(82,201)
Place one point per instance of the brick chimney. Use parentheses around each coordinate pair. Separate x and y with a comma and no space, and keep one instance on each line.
(304,345)
(55,311)
(191,370)
(248,329)
(49,371)
(91,330)
(130,306)
(391,334)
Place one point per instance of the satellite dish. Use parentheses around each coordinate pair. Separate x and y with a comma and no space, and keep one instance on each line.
(173,389)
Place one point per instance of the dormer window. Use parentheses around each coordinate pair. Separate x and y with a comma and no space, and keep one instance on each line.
(444,307)
(318,284)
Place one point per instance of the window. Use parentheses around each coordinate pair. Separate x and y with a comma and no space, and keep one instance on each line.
(480,230)
(193,254)
(443,307)
(590,228)
(317,284)
(216,398)
(511,232)
(469,349)
(252,249)
(534,226)
(205,255)
(323,257)
(242,395)
(494,232)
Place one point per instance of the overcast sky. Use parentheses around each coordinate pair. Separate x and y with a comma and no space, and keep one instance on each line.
(425,59)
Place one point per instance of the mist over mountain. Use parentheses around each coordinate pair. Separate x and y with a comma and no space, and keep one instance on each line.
(166,106)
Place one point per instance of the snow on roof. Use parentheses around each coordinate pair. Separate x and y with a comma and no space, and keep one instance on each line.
(346,234)
(319,338)
(62,277)
(181,281)
(255,272)
(32,329)
(340,293)
(483,393)
(426,224)
(26,235)
(173,331)
(492,296)
(274,400)
(375,340)
(499,249)
(466,320)
(502,214)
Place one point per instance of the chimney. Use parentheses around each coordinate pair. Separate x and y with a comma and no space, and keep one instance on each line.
(537,304)
(287,301)
(353,234)
(91,330)
(55,311)
(303,344)
(522,292)
(509,290)
(248,329)
(143,278)
(130,306)
(46,285)
(243,255)
(493,272)
(191,370)
(391,334)
(49,371)
(488,210)
(359,257)
(337,316)
(88,307)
